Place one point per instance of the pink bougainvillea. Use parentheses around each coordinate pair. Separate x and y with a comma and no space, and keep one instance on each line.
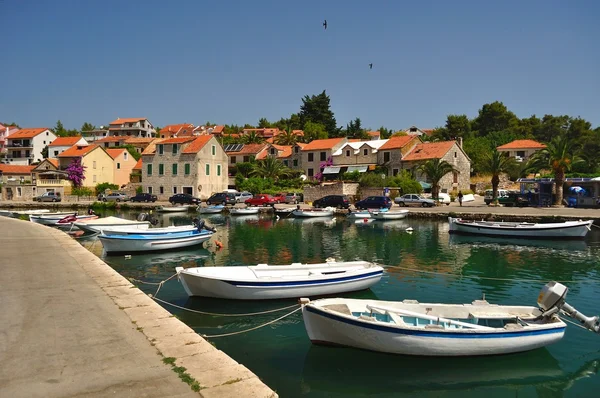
(327,163)
(76,172)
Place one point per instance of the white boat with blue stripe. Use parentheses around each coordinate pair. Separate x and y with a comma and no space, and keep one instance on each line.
(142,242)
(412,328)
(263,282)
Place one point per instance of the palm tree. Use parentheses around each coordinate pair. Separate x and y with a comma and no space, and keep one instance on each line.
(252,138)
(286,137)
(497,163)
(559,156)
(435,170)
(270,167)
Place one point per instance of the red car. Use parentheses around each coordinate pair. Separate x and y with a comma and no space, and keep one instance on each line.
(262,199)
(280,197)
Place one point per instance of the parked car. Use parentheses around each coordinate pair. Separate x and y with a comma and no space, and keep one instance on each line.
(512,199)
(222,198)
(116,197)
(280,197)
(412,199)
(339,201)
(184,198)
(374,202)
(487,198)
(262,199)
(144,197)
(48,197)
(241,197)
(294,198)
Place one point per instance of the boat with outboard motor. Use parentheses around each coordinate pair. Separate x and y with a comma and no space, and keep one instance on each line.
(389,215)
(314,212)
(50,218)
(562,230)
(214,209)
(432,329)
(262,281)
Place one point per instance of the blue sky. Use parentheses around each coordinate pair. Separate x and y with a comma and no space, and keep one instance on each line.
(237,61)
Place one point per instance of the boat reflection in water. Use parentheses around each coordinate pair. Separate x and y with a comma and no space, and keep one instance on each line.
(517,243)
(333,372)
(168,260)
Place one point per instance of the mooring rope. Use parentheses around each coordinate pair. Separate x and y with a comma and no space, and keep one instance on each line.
(475,276)
(251,329)
(217,314)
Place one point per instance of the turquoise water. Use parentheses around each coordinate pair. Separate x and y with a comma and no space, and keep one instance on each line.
(283,357)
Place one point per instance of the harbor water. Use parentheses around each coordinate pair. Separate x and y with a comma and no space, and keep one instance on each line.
(426,264)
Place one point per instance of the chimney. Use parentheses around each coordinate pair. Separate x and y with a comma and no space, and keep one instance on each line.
(459,139)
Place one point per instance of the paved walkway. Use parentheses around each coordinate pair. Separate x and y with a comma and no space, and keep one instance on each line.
(72,326)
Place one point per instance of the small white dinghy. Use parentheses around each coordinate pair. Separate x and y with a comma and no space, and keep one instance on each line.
(173,209)
(361,214)
(142,242)
(389,215)
(210,209)
(243,211)
(326,212)
(18,213)
(563,230)
(149,231)
(262,281)
(97,225)
(50,218)
(412,328)
(67,222)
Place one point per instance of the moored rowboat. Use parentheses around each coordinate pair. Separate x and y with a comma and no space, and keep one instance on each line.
(152,242)
(389,215)
(112,222)
(326,212)
(261,282)
(50,218)
(243,211)
(563,230)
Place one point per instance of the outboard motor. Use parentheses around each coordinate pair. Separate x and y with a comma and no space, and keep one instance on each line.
(552,300)
(200,225)
(91,212)
(142,217)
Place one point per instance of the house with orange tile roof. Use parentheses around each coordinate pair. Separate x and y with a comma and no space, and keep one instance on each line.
(196,165)
(354,155)
(289,155)
(414,130)
(91,136)
(5,131)
(202,130)
(99,165)
(136,172)
(239,153)
(263,132)
(374,135)
(173,130)
(521,150)
(317,152)
(123,164)
(48,177)
(450,151)
(132,127)
(391,153)
(17,182)
(61,144)
(25,146)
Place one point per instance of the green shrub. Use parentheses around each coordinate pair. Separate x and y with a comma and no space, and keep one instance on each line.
(351,176)
(139,189)
(103,186)
(82,191)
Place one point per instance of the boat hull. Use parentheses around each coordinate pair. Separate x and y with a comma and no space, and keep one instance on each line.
(210,209)
(312,213)
(97,227)
(149,231)
(243,212)
(49,219)
(114,244)
(566,230)
(277,288)
(326,327)
(390,215)
(172,209)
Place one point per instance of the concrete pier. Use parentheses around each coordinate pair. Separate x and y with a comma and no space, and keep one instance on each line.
(72,326)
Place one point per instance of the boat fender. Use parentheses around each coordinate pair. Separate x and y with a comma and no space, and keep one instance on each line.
(218,244)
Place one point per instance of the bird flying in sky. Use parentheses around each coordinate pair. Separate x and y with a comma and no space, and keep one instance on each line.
(325,24)
(370,66)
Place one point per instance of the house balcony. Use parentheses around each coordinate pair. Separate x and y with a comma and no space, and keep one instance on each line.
(48,182)
(19,145)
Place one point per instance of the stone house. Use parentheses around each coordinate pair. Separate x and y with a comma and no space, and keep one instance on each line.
(123,164)
(18,182)
(99,165)
(318,151)
(192,165)
(61,144)
(450,151)
(414,130)
(521,150)
(173,130)
(48,178)
(355,156)
(391,153)
(25,146)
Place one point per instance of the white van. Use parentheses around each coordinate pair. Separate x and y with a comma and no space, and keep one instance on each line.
(489,195)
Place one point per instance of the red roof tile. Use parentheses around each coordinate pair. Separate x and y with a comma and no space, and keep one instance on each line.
(374,133)
(78,150)
(178,140)
(283,151)
(522,144)
(114,152)
(197,144)
(113,138)
(322,144)
(128,120)
(151,148)
(27,133)
(138,140)
(15,169)
(397,142)
(138,165)
(249,149)
(65,141)
(429,150)
(54,161)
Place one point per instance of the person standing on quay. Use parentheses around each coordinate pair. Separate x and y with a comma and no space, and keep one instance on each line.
(460,197)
